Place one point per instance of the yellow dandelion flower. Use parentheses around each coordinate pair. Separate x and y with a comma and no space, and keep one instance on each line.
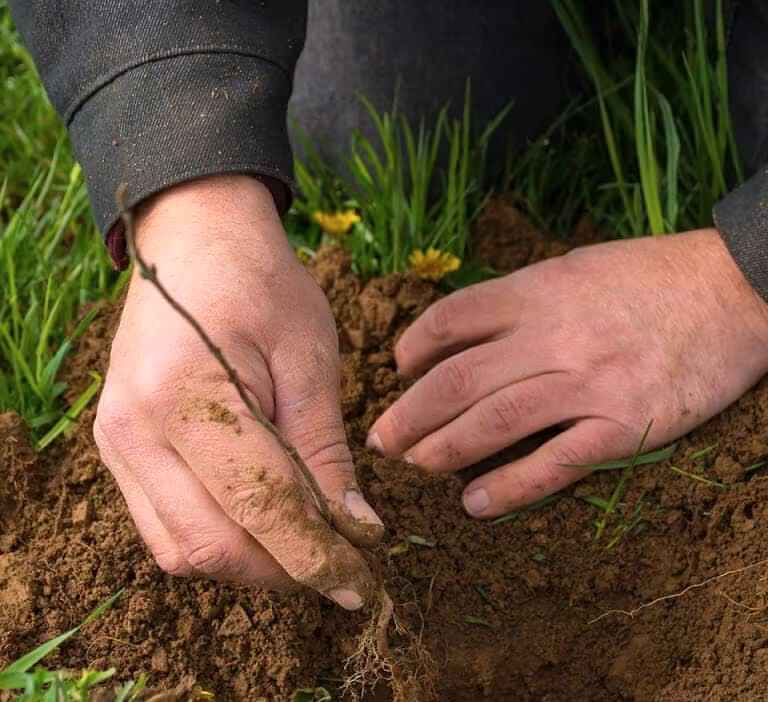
(433,264)
(336,223)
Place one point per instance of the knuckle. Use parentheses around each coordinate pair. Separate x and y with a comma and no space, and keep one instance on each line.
(637,410)
(454,379)
(443,454)
(114,420)
(109,416)
(151,383)
(401,422)
(210,557)
(100,436)
(172,562)
(333,454)
(570,454)
(438,319)
(309,569)
(506,411)
(265,508)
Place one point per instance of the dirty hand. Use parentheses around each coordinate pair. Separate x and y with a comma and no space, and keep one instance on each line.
(596,343)
(211,491)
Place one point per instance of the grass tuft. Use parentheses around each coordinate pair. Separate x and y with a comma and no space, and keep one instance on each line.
(405,202)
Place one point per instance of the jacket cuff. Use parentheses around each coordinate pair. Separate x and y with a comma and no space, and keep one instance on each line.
(180,118)
(742,220)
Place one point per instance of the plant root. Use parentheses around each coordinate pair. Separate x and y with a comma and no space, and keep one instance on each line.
(408,669)
(631,613)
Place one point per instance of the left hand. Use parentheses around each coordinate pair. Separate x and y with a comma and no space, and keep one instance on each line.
(597,343)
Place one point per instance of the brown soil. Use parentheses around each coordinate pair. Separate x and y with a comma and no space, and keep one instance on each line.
(506,611)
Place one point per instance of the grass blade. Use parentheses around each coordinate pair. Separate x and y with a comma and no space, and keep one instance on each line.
(74,412)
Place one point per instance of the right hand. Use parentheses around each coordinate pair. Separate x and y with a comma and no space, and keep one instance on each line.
(210,489)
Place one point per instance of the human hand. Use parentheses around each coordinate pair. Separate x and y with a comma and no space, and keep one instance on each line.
(596,343)
(212,492)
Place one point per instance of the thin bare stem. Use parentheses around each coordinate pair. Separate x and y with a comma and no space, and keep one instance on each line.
(148,271)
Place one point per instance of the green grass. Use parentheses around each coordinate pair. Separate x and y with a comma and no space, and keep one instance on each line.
(52,262)
(405,201)
(34,683)
(654,149)
(650,151)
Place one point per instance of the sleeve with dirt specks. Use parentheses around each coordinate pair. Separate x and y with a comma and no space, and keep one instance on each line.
(155,93)
(742,216)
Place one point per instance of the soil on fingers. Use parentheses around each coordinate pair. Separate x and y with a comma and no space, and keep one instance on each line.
(505,611)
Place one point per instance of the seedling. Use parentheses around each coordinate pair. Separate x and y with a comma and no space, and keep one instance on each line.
(626,466)
(624,527)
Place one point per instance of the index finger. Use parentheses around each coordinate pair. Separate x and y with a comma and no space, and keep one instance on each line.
(249,474)
(453,323)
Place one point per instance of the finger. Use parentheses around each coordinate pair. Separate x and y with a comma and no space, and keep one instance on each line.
(152,531)
(210,543)
(464,317)
(309,417)
(546,470)
(498,421)
(450,388)
(249,474)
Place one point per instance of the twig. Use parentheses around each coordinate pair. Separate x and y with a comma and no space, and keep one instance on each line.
(149,272)
(633,612)
(382,626)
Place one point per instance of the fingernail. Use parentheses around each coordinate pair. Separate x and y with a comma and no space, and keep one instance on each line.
(476,502)
(348,599)
(360,509)
(374,442)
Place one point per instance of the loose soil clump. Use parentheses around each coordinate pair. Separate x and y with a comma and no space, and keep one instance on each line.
(505,611)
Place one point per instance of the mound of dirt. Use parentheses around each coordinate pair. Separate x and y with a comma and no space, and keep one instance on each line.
(508,612)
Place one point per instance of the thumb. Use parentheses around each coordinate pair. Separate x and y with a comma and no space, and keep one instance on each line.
(308,414)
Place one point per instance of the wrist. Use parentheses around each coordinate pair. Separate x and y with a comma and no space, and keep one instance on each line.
(211,236)
(224,218)
(214,202)
(747,302)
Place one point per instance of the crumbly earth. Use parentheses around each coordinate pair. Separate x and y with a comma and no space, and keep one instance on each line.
(507,611)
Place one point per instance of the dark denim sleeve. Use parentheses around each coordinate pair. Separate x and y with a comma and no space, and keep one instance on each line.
(158,92)
(742,216)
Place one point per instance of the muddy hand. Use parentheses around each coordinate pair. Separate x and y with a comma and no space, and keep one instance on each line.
(596,343)
(211,490)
